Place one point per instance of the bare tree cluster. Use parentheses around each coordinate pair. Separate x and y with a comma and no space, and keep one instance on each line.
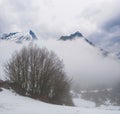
(38,73)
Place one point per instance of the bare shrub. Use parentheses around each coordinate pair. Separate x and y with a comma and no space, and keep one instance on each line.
(38,73)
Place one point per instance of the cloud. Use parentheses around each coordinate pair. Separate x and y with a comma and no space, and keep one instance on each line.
(112,25)
(6,50)
(109,36)
(83,63)
(52,18)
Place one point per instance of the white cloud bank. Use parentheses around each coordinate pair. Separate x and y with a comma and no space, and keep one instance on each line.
(82,61)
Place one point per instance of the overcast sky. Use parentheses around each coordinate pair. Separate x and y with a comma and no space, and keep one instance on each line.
(95,19)
(53,18)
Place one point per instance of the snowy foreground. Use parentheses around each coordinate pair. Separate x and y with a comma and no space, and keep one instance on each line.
(12,103)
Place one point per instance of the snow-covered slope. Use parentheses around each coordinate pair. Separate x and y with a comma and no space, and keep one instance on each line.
(12,103)
(19,37)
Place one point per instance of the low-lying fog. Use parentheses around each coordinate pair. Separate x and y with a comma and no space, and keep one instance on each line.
(84,64)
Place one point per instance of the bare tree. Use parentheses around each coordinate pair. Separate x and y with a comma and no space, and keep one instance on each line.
(38,73)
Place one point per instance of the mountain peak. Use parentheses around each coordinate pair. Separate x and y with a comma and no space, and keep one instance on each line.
(19,37)
(77,34)
(33,35)
(71,36)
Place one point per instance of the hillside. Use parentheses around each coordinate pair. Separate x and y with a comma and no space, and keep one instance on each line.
(12,103)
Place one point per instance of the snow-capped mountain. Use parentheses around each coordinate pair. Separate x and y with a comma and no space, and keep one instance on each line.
(19,37)
(78,35)
(71,36)
(74,36)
